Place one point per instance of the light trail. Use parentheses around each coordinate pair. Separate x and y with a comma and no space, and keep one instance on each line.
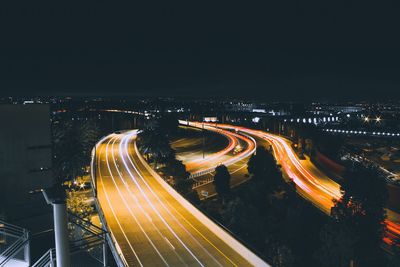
(126,149)
(151,224)
(203,166)
(118,222)
(313,185)
(136,201)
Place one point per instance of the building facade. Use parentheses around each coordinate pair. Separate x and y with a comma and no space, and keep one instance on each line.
(25,159)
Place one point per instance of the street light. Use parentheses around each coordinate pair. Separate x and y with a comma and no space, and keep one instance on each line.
(378,119)
(366,119)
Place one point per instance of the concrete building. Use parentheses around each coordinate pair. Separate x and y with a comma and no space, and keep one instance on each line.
(25,159)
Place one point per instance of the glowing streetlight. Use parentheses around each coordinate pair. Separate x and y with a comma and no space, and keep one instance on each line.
(378,119)
(366,119)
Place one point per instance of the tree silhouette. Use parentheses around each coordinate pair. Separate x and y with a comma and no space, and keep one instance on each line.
(222,180)
(155,145)
(168,123)
(263,167)
(361,209)
(337,243)
(282,255)
(73,142)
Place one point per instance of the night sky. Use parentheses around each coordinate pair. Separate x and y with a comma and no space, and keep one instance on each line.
(276,50)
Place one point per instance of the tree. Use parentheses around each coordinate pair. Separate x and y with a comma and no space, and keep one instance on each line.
(72,146)
(394,260)
(155,145)
(168,123)
(282,255)
(263,167)
(222,180)
(337,242)
(361,209)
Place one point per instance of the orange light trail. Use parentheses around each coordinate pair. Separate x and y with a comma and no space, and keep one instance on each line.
(321,191)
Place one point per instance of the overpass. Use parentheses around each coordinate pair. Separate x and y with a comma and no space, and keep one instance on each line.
(148,222)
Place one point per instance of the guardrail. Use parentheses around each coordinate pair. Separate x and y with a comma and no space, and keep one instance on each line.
(95,239)
(47,260)
(21,243)
(203,182)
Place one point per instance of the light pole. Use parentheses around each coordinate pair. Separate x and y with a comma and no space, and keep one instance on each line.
(203,140)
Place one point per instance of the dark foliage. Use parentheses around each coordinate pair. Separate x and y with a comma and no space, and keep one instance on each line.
(73,142)
(222,181)
(263,167)
(328,144)
(337,246)
(361,210)
(154,143)
(270,217)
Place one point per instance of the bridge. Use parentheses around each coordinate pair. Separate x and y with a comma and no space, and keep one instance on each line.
(148,222)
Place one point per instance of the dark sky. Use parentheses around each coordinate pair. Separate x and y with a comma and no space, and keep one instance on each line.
(277,49)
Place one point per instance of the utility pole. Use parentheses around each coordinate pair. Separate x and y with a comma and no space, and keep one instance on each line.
(203,140)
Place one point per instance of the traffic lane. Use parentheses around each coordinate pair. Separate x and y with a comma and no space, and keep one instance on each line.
(184,214)
(158,211)
(219,249)
(309,188)
(158,249)
(228,158)
(186,144)
(193,152)
(321,180)
(239,175)
(114,215)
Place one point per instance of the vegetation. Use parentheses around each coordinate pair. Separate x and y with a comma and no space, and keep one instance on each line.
(337,243)
(262,166)
(266,214)
(155,146)
(222,181)
(330,145)
(359,215)
(78,204)
(73,142)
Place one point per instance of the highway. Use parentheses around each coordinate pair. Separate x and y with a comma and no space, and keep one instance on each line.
(202,168)
(149,223)
(311,183)
(224,156)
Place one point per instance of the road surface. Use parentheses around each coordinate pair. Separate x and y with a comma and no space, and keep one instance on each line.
(236,162)
(150,224)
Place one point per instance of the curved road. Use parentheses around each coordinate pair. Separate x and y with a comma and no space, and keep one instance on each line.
(312,184)
(149,223)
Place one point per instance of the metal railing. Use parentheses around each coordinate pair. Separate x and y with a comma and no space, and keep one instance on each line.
(203,182)
(21,243)
(47,260)
(95,237)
